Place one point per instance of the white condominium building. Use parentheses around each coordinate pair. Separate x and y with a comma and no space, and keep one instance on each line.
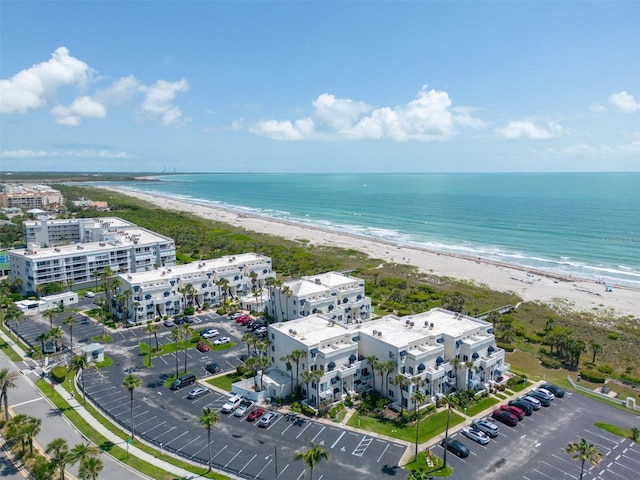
(424,348)
(80,264)
(167,291)
(337,295)
(51,233)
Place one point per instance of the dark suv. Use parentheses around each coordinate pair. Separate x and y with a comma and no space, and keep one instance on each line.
(556,390)
(522,405)
(456,447)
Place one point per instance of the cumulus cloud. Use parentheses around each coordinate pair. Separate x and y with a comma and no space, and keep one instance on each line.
(158,101)
(528,129)
(86,153)
(624,102)
(81,107)
(121,91)
(426,118)
(36,86)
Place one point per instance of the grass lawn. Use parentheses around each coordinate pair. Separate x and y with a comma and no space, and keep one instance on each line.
(482,405)
(500,396)
(430,426)
(224,382)
(421,466)
(616,430)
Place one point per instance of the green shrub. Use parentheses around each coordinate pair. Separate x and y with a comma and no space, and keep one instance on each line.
(514,381)
(612,336)
(507,347)
(189,310)
(605,368)
(550,362)
(59,373)
(593,376)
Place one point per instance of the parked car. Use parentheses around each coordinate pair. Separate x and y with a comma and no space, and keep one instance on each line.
(490,428)
(210,334)
(267,419)
(206,330)
(221,341)
(168,323)
(178,320)
(202,347)
(546,392)
(197,392)
(456,447)
(255,414)
(534,402)
(212,368)
(515,410)
(541,397)
(261,330)
(505,417)
(243,357)
(476,435)
(89,294)
(231,404)
(556,390)
(244,407)
(183,381)
(189,319)
(522,405)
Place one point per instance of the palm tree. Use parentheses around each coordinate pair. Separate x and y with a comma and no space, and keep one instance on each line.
(56,335)
(286,291)
(43,337)
(596,348)
(50,313)
(312,457)
(455,363)
(223,284)
(82,452)
(418,398)
(207,420)
(252,364)
(16,430)
(106,275)
(58,448)
(68,322)
(373,363)
(151,329)
(31,430)
(296,356)
(585,452)
(289,367)
(176,336)
(250,339)
(187,332)
(131,382)
(78,364)
(402,382)
(7,380)
(386,368)
(263,364)
(446,432)
(90,468)
(17,315)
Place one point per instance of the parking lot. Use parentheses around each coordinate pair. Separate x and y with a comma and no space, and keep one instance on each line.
(534,449)
(169,420)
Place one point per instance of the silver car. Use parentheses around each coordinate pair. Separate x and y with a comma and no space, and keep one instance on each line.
(485,426)
(197,392)
(534,402)
(267,419)
(476,435)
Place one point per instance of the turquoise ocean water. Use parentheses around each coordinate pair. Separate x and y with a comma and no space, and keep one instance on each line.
(585,225)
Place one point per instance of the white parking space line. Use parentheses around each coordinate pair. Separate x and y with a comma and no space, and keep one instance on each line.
(220,451)
(339,438)
(176,438)
(602,436)
(232,458)
(383,452)
(317,434)
(362,446)
(630,458)
(246,464)
(543,474)
(626,468)
(616,474)
(138,424)
(282,471)
(154,427)
(263,468)
(303,430)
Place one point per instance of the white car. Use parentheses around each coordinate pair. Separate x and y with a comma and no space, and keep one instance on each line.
(476,435)
(244,407)
(221,341)
(546,392)
(210,334)
(89,294)
(231,404)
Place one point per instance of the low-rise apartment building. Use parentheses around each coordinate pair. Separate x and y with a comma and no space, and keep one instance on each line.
(168,291)
(338,295)
(26,196)
(436,351)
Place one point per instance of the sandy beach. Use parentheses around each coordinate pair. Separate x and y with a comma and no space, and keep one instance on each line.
(578,294)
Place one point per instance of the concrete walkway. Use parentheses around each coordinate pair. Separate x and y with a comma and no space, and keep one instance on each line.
(27,398)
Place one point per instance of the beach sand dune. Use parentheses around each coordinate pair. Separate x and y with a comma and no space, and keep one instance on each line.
(576,293)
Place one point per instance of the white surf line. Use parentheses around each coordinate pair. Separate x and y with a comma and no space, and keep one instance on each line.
(26,402)
(314,438)
(232,458)
(246,464)
(385,451)
(308,425)
(339,438)
(263,468)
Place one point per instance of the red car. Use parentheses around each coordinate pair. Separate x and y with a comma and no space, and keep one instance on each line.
(515,410)
(202,347)
(505,417)
(255,414)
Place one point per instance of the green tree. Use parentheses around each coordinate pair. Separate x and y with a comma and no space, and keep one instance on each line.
(402,382)
(82,452)
(56,335)
(68,322)
(58,449)
(176,335)
(418,398)
(207,420)
(312,457)
(50,313)
(16,431)
(8,379)
(296,356)
(187,333)
(374,364)
(585,452)
(31,430)
(79,364)
(131,382)
(386,368)
(151,329)
(90,468)
(596,349)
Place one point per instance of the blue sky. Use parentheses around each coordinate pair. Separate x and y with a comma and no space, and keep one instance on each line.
(343,86)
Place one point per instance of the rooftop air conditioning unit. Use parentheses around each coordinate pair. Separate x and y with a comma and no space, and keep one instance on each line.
(375,332)
(380,333)
(412,324)
(407,322)
(431,325)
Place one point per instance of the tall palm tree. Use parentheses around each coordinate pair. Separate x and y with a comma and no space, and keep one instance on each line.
(106,275)
(585,452)
(78,364)
(56,335)
(455,363)
(68,322)
(307,377)
(31,430)
(286,291)
(250,339)
(43,337)
(187,333)
(7,380)
(312,457)
(58,449)
(402,382)
(386,368)
(50,313)
(252,364)
(418,398)
(176,336)
(596,348)
(17,315)
(296,356)
(151,329)
(83,451)
(16,430)
(263,364)
(289,367)
(131,382)
(207,420)
(90,468)
(373,363)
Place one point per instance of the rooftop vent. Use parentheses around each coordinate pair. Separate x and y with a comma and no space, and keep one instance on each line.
(375,332)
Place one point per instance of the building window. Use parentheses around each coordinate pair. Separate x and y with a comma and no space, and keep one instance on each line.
(392,355)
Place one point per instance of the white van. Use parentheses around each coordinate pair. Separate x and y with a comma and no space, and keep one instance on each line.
(233,403)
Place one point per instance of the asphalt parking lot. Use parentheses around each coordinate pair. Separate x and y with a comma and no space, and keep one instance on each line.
(534,449)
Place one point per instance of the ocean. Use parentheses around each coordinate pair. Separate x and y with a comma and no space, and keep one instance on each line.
(573,224)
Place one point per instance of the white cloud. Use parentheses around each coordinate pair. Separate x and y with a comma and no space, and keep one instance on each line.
(633,147)
(426,118)
(121,91)
(158,98)
(98,154)
(36,86)
(598,108)
(624,102)
(528,129)
(81,107)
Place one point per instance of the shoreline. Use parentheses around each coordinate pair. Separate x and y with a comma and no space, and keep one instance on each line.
(578,294)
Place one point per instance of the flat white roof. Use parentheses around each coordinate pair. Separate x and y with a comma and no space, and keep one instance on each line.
(312,330)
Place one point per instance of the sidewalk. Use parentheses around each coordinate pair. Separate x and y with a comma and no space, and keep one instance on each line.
(27,398)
